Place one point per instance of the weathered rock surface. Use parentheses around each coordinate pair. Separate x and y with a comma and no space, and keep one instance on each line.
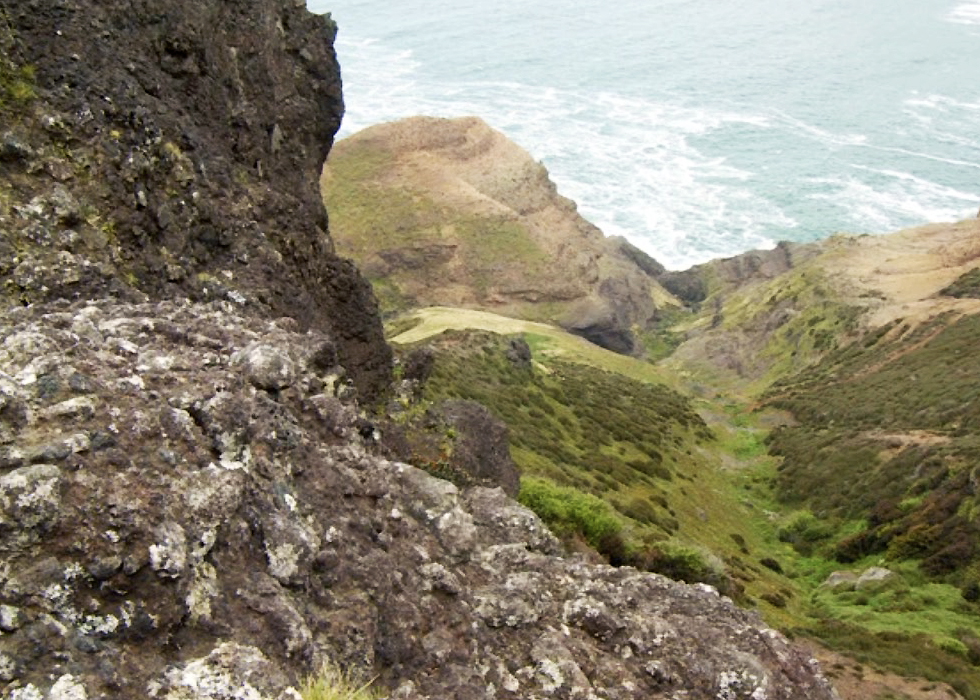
(173,526)
(190,503)
(472,220)
(171,149)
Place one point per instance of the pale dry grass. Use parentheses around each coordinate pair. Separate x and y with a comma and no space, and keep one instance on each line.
(332,683)
(545,339)
(905,270)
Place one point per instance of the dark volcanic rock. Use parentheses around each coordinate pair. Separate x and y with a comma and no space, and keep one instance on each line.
(207,532)
(190,505)
(480,446)
(171,149)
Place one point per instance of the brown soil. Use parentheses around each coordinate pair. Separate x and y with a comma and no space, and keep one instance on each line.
(907,269)
(855,681)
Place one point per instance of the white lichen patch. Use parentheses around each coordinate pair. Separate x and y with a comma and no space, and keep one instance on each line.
(549,676)
(231,465)
(28,692)
(134,382)
(30,496)
(203,589)
(98,625)
(212,677)
(283,560)
(736,684)
(11,618)
(8,668)
(169,556)
(58,596)
(67,687)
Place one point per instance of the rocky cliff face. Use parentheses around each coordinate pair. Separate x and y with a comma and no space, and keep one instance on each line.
(471,219)
(190,505)
(187,511)
(171,149)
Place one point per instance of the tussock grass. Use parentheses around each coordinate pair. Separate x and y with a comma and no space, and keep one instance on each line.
(332,683)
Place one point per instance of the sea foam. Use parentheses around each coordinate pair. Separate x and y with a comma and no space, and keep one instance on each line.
(702,145)
(967,13)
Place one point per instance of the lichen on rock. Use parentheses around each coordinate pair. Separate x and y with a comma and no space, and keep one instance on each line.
(191,503)
(309,547)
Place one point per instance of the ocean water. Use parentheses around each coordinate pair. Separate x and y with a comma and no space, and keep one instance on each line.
(697,128)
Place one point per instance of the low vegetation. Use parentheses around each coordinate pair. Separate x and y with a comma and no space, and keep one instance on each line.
(17,82)
(966,285)
(618,463)
(421,236)
(332,683)
(705,490)
(888,435)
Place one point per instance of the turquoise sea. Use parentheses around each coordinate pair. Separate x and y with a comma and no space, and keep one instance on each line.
(697,128)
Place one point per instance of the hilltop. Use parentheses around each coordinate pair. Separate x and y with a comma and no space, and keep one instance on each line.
(471,220)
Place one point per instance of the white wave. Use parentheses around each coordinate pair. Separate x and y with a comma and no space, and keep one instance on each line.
(967,13)
(651,169)
(822,135)
(627,162)
(927,156)
(887,200)
(942,103)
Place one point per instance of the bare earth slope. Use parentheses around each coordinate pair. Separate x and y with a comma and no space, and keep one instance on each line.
(764,321)
(470,219)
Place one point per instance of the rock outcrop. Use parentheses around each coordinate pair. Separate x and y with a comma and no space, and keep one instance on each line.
(191,505)
(187,508)
(471,219)
(170,149)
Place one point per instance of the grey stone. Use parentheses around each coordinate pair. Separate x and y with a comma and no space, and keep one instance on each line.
(874,577)
(841,579)
(267,367)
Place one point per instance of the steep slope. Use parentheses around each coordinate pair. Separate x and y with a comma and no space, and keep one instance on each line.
(162,150)
(866,346)
(471,220)
(191,503)
(766,315)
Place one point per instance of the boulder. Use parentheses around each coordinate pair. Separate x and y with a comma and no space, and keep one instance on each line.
(215,539)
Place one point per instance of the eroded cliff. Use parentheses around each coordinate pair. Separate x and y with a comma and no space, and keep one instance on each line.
(191,505)
(472,220)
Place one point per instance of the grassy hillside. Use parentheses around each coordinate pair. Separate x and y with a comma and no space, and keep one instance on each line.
(614,457)
(625,465)
(889,436)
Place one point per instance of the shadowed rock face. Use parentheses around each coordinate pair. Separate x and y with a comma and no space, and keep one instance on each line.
(172,148)
(187,510)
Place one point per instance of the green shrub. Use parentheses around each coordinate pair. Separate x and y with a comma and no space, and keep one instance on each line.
(684,563)
(771,564)
(803,529)
(569,511)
